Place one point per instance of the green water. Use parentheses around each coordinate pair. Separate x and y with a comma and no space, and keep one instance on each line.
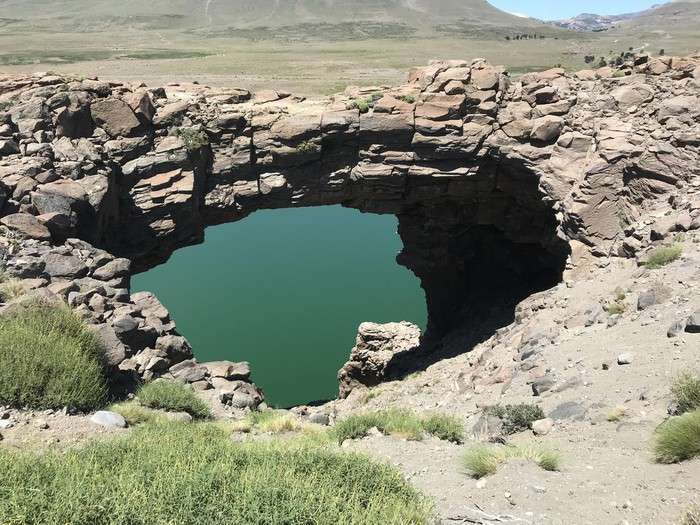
(286,291)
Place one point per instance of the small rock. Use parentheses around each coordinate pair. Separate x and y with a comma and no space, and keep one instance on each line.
(542,427)
(41,424)
(625,359)
(481,483)
(675,329)
(692,326)
(179,417)
(5,424)
(542,385)
(319,418)
(108,419)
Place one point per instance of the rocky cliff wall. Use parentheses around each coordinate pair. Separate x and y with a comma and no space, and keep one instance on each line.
(500,186)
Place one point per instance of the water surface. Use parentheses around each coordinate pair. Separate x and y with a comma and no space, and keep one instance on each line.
(286,291)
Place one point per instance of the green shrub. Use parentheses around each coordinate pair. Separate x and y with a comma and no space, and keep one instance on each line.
(517,418)
(361,104)
(194,139)
(442,426)
(196,475)
(173,397)
(663,256)
(307,147)
(399,422)
(483,460)
(686,393)
(410,99)
(10,289)
(50,359)
(678,439)
(4,106)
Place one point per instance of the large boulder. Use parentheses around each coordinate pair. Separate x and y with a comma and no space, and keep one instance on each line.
(377,355)
(26,225)
(115,117)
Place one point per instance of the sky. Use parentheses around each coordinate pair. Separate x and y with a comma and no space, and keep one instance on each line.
(556,9)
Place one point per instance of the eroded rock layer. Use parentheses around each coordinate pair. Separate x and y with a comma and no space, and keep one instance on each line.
(500,186)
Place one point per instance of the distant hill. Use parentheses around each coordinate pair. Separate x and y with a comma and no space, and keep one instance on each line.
(155,14)
(666,16)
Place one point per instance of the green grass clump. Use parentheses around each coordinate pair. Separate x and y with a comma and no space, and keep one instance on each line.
(483,460)
(361,104)
(398,422)
(678,439)
(195,474)
(517,418)
(137,414)
(410,99)
(442,426)
(663,256)
(686,393)
(194,139)
(270,422)
(173,397)
(50,359)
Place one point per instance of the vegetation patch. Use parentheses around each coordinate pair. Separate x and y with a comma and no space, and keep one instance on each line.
(49,359)
(403,423)
(307,147)
(662,256)
(517,418)
(194,139)
(136,414)
(691,517)
(10,288)
(678,439)
(484,460)
(617,306)
(686,393)
(196,474)
(172,397)
(270,422)
(616,414)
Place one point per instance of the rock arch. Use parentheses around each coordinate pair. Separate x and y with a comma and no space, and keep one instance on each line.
(499,186)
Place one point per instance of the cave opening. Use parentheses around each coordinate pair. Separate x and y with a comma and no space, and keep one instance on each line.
(286,289)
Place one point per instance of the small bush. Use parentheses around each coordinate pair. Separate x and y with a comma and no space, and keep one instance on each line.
(194,139)
(173,397)
(270,422)
(678,439)
(399,422)
(136,414)
(10,289)
(307,147)
(409,99)
(361,104)
(517,418)
(195,474)
(686,393)
(444,427)
(4,106)
(49,359)
(484,460)
(663,256)
(617,414)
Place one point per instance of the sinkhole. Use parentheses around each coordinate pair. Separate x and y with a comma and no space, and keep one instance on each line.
(286,289)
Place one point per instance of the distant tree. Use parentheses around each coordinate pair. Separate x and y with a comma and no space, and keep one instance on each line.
(507,37)
(602,62)
(618,61)
(662,52)
(589,59)
(630,48)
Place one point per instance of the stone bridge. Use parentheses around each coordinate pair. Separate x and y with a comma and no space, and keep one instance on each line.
(500,186)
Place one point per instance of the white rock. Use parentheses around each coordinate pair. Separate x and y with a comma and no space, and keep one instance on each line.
(108,419)
(625,359)
(542,427)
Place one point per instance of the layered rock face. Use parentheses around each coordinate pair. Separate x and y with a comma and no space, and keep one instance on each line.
(499,186)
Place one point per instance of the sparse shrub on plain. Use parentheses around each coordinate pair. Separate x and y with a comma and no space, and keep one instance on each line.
(196,474)
(399,422)
(617,414)
(686,393)
(482,460)
(517,418)
(662,256)
(136,414)
(49,359)
(172,397)
(194,139)
(361,104)
(409,99)
(270,422)
(678,439)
